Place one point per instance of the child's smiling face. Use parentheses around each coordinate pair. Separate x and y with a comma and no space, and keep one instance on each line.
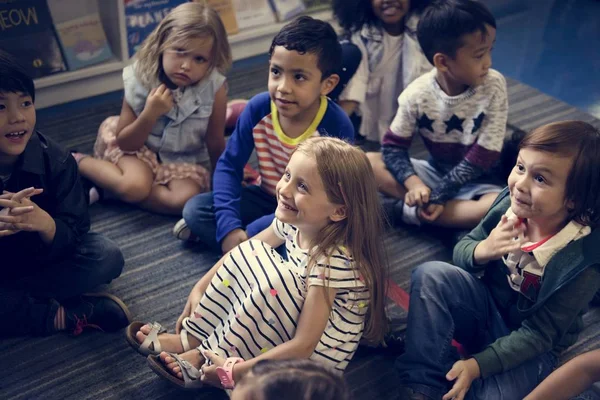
(390,12)
(538,184)
(17,121)
(301,196)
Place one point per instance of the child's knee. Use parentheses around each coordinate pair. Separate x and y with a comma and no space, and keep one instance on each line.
(432,272)
(112,262)
(198,207)
(105,256)
(376,159)
(133,191)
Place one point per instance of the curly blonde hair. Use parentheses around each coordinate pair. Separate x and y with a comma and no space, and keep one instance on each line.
(186,21)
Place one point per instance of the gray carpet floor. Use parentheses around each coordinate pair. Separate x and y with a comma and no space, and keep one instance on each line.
(160,270)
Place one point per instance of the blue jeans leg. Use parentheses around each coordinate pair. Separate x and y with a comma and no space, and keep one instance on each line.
(515,383)
(29,303)
(447,302)
(255,203)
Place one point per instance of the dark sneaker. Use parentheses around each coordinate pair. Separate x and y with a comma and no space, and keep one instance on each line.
(100,311)
(394,342)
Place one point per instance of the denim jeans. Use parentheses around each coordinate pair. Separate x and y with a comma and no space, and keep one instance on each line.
(447,302)
(29,300)
(256,210)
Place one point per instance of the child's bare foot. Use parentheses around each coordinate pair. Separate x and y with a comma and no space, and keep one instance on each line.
(192,356)
(169,342)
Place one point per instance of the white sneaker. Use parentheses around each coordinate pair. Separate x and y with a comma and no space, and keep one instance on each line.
(182,232)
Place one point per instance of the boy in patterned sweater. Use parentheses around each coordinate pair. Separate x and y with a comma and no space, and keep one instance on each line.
(303,58)
(460,110)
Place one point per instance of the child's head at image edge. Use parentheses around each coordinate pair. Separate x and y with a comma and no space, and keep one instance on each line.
(557,174)
(303,59)
(17,111)
(184,48)
(329,188)
(457,37)
(291,380)
(352,15)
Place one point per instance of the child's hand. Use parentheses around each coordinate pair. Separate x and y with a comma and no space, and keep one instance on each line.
(464,372)
(191,304)
(19,213)
(232,239)
(209,372)
(506,237)
(159,101)
(431,212)
(417,196)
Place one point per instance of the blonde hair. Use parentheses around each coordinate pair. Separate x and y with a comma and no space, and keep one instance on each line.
(349,181)
(188,20)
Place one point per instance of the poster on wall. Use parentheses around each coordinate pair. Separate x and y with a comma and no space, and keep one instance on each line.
(26,32)
(252,13)
(142,16)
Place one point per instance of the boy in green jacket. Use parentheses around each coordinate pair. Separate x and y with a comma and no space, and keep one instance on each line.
(538,254)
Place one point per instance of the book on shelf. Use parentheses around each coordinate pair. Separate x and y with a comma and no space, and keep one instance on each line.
(316,5)
(80,32)
(287,9)
(142,16)
(252,13)
(226,12)
(26,32)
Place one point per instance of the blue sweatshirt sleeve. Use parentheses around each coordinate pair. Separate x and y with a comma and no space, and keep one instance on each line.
(229,172)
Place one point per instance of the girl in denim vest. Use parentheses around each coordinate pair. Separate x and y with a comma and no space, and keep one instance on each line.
(382,33)
(159,152)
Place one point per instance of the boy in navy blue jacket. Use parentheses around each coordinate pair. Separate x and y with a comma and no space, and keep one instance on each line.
(48,259)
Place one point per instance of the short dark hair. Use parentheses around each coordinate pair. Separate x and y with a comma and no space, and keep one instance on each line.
(13,76)
(445,22)
(352,15)
(295,380)
(581,141)
(308,35)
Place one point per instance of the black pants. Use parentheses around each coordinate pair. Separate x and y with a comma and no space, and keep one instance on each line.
(29,300)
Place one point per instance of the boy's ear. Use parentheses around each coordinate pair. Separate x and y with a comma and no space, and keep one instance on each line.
(440,61)
(329,84)
(339,214)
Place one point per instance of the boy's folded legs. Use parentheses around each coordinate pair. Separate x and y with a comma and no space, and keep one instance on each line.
(199,220)
(464,211)
(30,302)
(198,223)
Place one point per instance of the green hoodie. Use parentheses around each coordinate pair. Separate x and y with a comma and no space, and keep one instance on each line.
(553,321)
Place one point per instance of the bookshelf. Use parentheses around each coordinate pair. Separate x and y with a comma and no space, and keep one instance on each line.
(106,77)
